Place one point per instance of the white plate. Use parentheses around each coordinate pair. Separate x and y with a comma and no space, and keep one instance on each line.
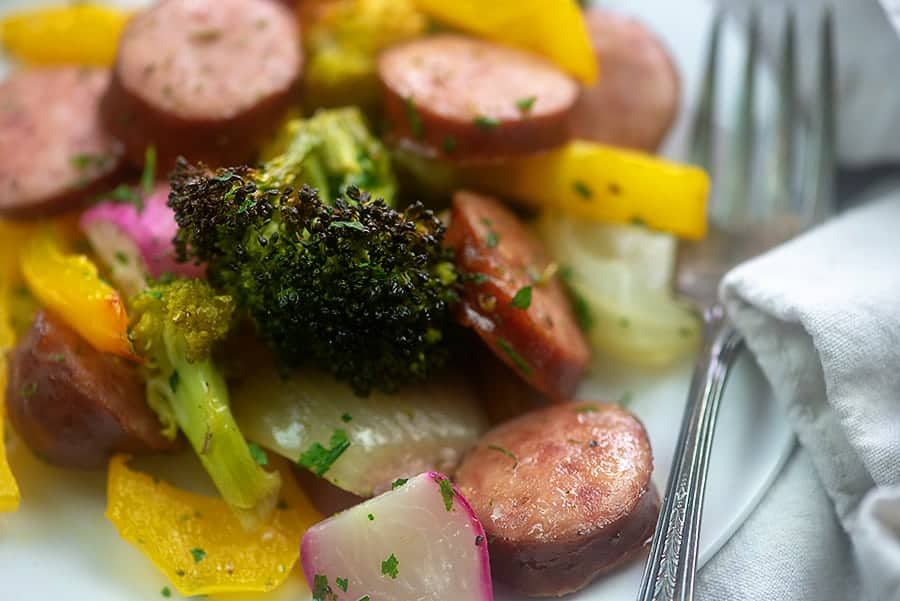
(59,545)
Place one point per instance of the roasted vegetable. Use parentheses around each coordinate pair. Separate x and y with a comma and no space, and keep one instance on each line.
(419,541)
(357,288)
(342,41)
(197,542)
(620,279)
(363,444)
(174,327)
(69,286)
(329,151)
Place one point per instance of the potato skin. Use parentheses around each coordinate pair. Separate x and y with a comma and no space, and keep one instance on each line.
(564,494)
(74,406)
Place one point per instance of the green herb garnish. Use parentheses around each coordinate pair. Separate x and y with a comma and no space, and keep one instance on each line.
(582,189)
(448,144)
(371,517)
(165,592)
(259,456)
(506,452)
(346,418)
(485,122)
(28,390)
(515,357)
(398,483)
(319,459)
(321,589)
(446,491)
(341,583)
(586,409)
(524,104)
(522,298)
(198,555)
(148,175)
(121,257)
(389,567)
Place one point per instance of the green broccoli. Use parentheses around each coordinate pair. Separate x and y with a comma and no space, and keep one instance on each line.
(354,286)
(174,327)
(329,151)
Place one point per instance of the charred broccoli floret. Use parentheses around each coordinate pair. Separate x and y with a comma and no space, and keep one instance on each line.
(354,287)
(174,327)
(330,151)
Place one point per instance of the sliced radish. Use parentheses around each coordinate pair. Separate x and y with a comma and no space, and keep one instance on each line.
(418,542)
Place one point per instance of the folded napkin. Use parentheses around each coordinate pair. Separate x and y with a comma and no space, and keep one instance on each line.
(822,316)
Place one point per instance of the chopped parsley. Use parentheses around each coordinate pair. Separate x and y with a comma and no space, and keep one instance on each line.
(414,119)
(522,298)
(582,189)
(198,554)
(321,589)
(485,122)
(506,452)
(447,491)
(346,418)
(448,144)
(341,583)
(638,221)
(259,456)
(364,598)
(515,357)
(59,358)
(371,517)
(525,104)
(125,194)
(586,409)
(492,239)
(477,278)
(165,592)
(319,459)
(389,567)
(121,257)
(398,483)
(579,303)
(29,389)
(83,162)
(148,176)
(174,379)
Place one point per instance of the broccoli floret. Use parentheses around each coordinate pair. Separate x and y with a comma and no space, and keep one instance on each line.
(174,327)
(329,151)
(354,287)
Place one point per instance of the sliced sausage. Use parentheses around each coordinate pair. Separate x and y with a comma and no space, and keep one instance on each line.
(53,151)
(207,79)
(74,406)
(471,100)
(635,102)
(564,495)
(512,298)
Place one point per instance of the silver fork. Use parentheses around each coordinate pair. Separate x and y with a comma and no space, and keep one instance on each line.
(799,194)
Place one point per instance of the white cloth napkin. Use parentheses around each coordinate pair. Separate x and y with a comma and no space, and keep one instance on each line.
(822,316)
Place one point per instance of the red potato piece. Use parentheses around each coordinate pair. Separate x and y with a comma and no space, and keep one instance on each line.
(564,495)
(470,100)
(53,150)
(74,406)
(636,100)
(541,342)
(206,79)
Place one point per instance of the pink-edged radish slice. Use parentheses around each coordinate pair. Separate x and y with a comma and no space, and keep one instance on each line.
(418,542)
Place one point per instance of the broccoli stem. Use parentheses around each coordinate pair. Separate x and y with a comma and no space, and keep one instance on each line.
(199,399)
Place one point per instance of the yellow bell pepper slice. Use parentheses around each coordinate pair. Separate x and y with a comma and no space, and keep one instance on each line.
(604,183)
(553,28)
(69,286)
(9,490)
(78,34)
(198,542)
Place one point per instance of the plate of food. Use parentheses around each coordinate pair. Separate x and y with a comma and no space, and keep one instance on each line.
(347,300)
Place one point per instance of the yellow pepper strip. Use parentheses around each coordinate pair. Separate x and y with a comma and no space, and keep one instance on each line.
(553,28)
(69,286)
(76,33)
(604,183)
(9,490)
(198,542)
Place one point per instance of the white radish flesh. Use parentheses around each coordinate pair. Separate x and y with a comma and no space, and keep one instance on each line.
(418,542)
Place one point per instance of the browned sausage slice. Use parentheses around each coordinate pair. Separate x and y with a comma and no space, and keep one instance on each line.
(636,100)
(564,495)
(74,406)
(207,79)
(53,152)
(511,299)
(471,100)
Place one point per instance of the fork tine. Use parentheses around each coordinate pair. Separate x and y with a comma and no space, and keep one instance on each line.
(701,150)
(820,201)
(745,139)
(782,197)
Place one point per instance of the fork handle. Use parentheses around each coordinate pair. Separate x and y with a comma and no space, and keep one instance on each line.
(672,565)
